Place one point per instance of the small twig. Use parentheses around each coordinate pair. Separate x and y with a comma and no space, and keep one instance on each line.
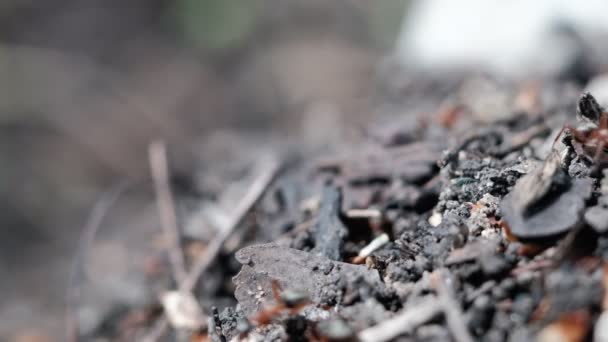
(299,228)
(521,139)
(251,197)
(202,264)
(371,247)
(166,208)
(364,213)
(532,266)
(453,315)
(404,322)
(73,293)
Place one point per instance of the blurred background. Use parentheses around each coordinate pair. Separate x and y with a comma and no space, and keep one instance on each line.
(85,85)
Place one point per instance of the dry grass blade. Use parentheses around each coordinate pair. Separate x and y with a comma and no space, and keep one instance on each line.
(402,323)
(99,211)
(159,168)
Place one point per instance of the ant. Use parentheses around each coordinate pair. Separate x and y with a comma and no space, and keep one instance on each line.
(591,137)
(288,301)
(292,302)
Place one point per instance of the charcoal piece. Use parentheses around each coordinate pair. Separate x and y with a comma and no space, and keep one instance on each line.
(583,289)
(410,197)
(479,316)
(558,216)
(477,141)
(232,322)
(295,327)
(296,270)
(493,265)
(412,163)
(329,233)
(539,184)
(588,109)
(597,216)
(523,306)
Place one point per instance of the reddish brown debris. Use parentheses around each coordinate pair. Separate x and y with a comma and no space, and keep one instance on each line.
(570,327)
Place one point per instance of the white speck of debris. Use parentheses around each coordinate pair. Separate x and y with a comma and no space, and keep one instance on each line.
(364,213)
(374,245)
(490,233)
(564,156)
(435,219)
(259,296)
(311,204)
(251,337)
(183,310)
(600,332)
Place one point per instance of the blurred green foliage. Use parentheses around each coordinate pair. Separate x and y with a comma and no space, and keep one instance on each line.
(215,24)
(224,24)
(385,21)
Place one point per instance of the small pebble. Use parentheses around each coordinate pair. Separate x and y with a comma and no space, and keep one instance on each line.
(335,329)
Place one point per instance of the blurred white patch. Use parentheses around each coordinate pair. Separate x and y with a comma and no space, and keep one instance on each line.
(598,86)
(435,219)
(183,311)
(504,36)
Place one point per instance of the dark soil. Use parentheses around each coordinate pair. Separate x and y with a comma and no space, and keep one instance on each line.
(499,237)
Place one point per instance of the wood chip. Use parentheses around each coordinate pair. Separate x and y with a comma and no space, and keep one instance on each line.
(183,310)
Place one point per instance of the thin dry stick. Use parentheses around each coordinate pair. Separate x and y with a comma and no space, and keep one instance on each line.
(159,168)
(256,190)
(73,293)
(451,308)
(269,170)
(402,323)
